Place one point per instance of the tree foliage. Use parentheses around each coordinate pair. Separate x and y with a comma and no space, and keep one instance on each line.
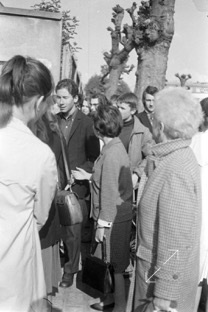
(96,85)
(69,23)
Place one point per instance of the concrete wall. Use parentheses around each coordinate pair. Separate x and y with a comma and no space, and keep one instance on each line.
(31,33)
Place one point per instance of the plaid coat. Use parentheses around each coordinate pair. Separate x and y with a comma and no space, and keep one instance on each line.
(169,220)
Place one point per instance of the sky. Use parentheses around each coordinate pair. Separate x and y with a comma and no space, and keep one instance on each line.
(188,53)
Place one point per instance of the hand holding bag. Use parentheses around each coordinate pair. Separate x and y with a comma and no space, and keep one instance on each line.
(70,211)
(98,273)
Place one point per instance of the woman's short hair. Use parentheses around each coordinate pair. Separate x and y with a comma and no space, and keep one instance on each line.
(107,121)
(179,111)
(69,85)
(21,79)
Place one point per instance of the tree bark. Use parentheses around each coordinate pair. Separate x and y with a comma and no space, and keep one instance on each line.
(153,47)
(151,70)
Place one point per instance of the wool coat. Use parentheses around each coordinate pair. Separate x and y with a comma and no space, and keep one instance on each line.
(28,178)
(169,221)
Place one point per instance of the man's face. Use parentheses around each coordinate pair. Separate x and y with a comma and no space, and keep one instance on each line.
(65,101)
(126,111)
(149,103)
(94,104)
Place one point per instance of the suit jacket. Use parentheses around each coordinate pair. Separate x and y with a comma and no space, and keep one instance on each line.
(144,120)
(82,148)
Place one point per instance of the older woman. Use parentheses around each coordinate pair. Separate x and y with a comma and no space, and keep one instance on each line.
(199,145)
(169,215)
(112,200)
(27,184)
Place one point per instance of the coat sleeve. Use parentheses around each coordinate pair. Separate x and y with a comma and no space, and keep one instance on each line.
(45,188)
(92,147)
(177,212)
(109,188)
(147,143)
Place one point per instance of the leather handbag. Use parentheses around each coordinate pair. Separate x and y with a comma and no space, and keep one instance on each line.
(67,202)
(98,273)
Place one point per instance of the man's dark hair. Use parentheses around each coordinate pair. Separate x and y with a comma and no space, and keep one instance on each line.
(102,99)
(68,84)
(129,98)
(149,90)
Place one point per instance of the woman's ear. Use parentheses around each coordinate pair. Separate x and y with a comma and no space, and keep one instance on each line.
(39,100)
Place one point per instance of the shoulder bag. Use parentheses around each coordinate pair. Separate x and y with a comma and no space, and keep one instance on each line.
(67,201)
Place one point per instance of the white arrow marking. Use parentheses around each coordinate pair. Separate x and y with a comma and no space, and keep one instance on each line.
(148,280)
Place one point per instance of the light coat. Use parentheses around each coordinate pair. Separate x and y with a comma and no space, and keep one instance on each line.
(140,144)
(28,177)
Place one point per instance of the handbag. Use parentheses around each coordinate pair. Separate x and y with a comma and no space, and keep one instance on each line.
(98,273)
(67,201)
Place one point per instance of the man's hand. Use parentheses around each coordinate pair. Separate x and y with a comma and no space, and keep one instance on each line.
(81,174)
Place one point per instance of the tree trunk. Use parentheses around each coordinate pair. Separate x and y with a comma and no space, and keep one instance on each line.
(154,47)
(151,70)
(112,85)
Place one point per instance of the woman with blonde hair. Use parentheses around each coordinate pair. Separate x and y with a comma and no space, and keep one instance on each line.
(169,212)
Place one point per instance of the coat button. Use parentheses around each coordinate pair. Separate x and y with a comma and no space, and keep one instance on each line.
(175,276)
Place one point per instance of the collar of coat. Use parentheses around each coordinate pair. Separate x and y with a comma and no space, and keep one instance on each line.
(112,142)
(138,126)
(161,150)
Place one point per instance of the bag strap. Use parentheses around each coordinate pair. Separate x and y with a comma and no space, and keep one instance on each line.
(66,167)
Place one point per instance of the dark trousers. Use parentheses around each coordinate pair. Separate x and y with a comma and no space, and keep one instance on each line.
(71,236)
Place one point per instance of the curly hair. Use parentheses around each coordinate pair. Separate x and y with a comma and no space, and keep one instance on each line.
(179,111)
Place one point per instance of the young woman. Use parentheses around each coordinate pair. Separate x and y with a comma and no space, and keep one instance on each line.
(28,177)
(111,200)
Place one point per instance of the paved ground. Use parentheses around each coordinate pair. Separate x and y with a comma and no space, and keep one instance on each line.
(79,296)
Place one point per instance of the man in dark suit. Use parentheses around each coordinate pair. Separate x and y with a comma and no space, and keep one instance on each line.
(82,149)
(146,116)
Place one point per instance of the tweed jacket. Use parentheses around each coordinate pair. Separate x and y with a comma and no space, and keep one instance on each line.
(112,184)
(82,148)
(139,147)
(145,120)
(169,220)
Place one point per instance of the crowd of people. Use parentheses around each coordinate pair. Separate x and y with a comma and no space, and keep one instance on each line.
(118,158)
